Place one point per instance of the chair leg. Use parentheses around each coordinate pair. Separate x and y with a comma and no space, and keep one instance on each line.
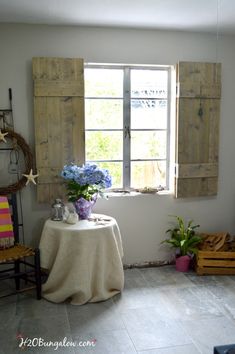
(17,270)
(38,273)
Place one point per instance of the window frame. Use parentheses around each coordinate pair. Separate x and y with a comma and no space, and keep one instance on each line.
(126,129)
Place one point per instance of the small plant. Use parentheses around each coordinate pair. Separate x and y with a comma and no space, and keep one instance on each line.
(184,237)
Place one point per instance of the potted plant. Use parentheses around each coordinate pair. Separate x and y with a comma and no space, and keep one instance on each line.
(184,238)
(84,183)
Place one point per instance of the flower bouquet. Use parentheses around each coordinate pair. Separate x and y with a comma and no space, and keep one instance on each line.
(84,184)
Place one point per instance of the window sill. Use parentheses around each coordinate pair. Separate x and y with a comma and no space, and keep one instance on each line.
(137,194)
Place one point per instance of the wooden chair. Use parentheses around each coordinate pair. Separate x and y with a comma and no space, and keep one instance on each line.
(29,271)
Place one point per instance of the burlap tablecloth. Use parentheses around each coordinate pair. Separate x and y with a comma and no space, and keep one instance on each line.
(84,261)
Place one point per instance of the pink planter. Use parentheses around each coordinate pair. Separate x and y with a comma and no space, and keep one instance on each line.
(182,263)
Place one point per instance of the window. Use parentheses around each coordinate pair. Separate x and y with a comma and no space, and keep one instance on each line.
(127,123)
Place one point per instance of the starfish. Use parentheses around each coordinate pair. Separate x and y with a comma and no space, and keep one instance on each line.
(2,136)
(30,177)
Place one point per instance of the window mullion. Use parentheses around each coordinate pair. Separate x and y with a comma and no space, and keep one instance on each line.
(168,129)
(126,128)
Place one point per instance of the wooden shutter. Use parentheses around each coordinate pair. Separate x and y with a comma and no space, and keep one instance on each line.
(197,129)
(59,121)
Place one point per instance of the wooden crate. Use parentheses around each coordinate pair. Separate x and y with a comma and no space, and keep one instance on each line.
(215,262)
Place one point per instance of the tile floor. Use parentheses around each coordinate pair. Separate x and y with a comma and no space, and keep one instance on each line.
(160,311)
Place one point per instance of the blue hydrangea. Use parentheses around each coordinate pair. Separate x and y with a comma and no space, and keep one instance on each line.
(90,178)
(70,172)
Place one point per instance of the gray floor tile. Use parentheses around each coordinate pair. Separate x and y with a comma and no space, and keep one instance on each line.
(140,298)
(49,329)
(232,278)
(94,317)
(181,349)
(7,311)
(190,303)
(109,342)
(222,289)
(134,279)
(208,333)
(134,294)
(160,311)
(148,329)
(8,338)
(218,291)
(164,277)
(29,307)
(206,279)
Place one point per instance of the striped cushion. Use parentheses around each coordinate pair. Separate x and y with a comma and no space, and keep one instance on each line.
(6,228)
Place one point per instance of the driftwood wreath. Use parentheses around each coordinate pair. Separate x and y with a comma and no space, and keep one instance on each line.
(18,143)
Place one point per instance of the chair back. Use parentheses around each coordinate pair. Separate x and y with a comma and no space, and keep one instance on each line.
(12,199)
(9,231)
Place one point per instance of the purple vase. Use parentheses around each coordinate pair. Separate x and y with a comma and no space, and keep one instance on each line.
(84,207)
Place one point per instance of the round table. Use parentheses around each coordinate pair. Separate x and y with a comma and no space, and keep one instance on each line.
(84,260)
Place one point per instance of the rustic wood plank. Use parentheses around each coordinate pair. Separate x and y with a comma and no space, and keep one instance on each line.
(195,187)
(50,68)
(41,132)
(216,263)
(198,90)
(198,136)
(58,88)
(68,123)
(197,129)
(214,120)
(54,131)
(59,121)
(198,72)
(57,190)
(43,191)
(196,170)
(49,175)
(78,136)
(215,271)
(217,254)
(49,192)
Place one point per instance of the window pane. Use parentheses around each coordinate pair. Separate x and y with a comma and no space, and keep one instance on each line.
(148,145)
(103,82)
(104,114)
(148,114)
(148,174)
(115,170)
(149,83)
(104,145)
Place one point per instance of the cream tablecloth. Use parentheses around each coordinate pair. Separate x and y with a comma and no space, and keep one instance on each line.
(84,261)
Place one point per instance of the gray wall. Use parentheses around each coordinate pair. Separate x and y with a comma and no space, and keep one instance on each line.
(142,219)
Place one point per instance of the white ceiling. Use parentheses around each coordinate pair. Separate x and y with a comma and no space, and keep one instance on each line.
(188,15)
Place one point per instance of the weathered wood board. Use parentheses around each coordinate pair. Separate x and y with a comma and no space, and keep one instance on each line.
(59,121)
(197,129)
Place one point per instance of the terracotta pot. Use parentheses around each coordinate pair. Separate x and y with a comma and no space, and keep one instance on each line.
(182,263)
